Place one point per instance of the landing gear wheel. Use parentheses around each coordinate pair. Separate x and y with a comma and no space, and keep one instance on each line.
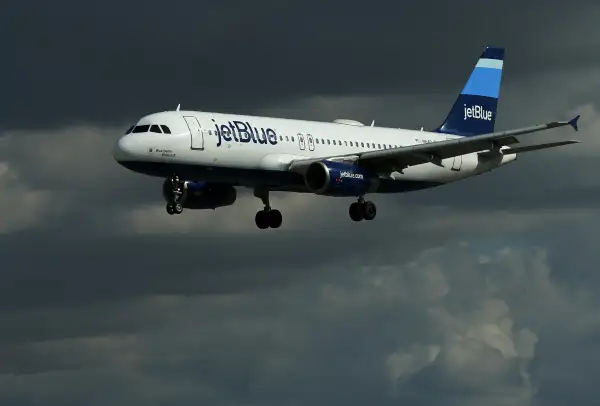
(170,209)
(362,210)
(369,210)
(262,219)
(267,217)
(275,218)
(174,208)
(356,212)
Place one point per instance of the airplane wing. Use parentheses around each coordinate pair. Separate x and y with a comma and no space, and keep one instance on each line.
(537,147)
(396,159)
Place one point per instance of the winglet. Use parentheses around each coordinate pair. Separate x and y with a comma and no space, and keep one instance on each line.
(573,123)
(178,106)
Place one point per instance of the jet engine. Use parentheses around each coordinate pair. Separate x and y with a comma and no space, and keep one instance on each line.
(339,179)
(201,195)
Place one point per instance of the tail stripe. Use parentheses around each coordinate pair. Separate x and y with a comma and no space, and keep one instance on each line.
(484,82)
(490,63)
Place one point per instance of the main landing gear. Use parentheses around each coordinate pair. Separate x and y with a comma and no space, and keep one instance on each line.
(362,210)
(174,205)
(267,217)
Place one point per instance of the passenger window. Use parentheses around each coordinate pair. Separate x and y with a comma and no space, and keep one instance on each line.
(292,138)
(316,139)
(362,144)
(287,138)
(328,142)
(333,142)
(379,146)
(165,129)
(141,129)
(130,129)
(155,129)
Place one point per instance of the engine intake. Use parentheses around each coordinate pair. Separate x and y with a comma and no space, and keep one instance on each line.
(339,179)
(202,195)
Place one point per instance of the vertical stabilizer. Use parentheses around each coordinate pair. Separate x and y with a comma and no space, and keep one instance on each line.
(474,111)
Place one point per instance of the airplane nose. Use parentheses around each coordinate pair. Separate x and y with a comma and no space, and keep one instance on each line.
(123,149)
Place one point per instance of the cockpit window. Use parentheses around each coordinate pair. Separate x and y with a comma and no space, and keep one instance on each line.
(141,129)
(129,130)
(155,128)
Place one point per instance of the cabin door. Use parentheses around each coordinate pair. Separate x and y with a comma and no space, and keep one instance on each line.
(196,136)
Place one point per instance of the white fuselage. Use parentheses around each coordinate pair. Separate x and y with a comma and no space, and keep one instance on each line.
(257,151)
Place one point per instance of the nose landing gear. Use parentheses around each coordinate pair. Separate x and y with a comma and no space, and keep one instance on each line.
(174,205)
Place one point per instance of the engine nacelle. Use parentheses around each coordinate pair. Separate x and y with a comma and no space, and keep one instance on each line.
(203,195)
(339,179)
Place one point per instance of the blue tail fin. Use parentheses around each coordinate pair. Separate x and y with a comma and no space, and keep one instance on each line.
(474,112)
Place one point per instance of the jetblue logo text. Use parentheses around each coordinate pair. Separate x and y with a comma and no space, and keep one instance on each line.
(239,131)
(478,113)
(351,175)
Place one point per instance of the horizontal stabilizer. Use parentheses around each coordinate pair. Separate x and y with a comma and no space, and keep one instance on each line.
(529,148)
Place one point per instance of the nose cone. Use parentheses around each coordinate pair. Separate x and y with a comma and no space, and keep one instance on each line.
(124,149)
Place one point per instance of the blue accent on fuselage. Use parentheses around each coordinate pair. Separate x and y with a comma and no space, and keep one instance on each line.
(484,82)
(274,180)
(196,186)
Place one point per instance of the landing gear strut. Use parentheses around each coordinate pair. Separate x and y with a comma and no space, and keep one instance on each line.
(173,203)
(267,217)
(362,210)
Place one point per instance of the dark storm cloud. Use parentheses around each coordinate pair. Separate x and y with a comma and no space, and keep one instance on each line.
(113,61)
(448,328)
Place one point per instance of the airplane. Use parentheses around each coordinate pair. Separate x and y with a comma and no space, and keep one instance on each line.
(204,156)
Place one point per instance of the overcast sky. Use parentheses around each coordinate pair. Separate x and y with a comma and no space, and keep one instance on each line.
(480,293)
